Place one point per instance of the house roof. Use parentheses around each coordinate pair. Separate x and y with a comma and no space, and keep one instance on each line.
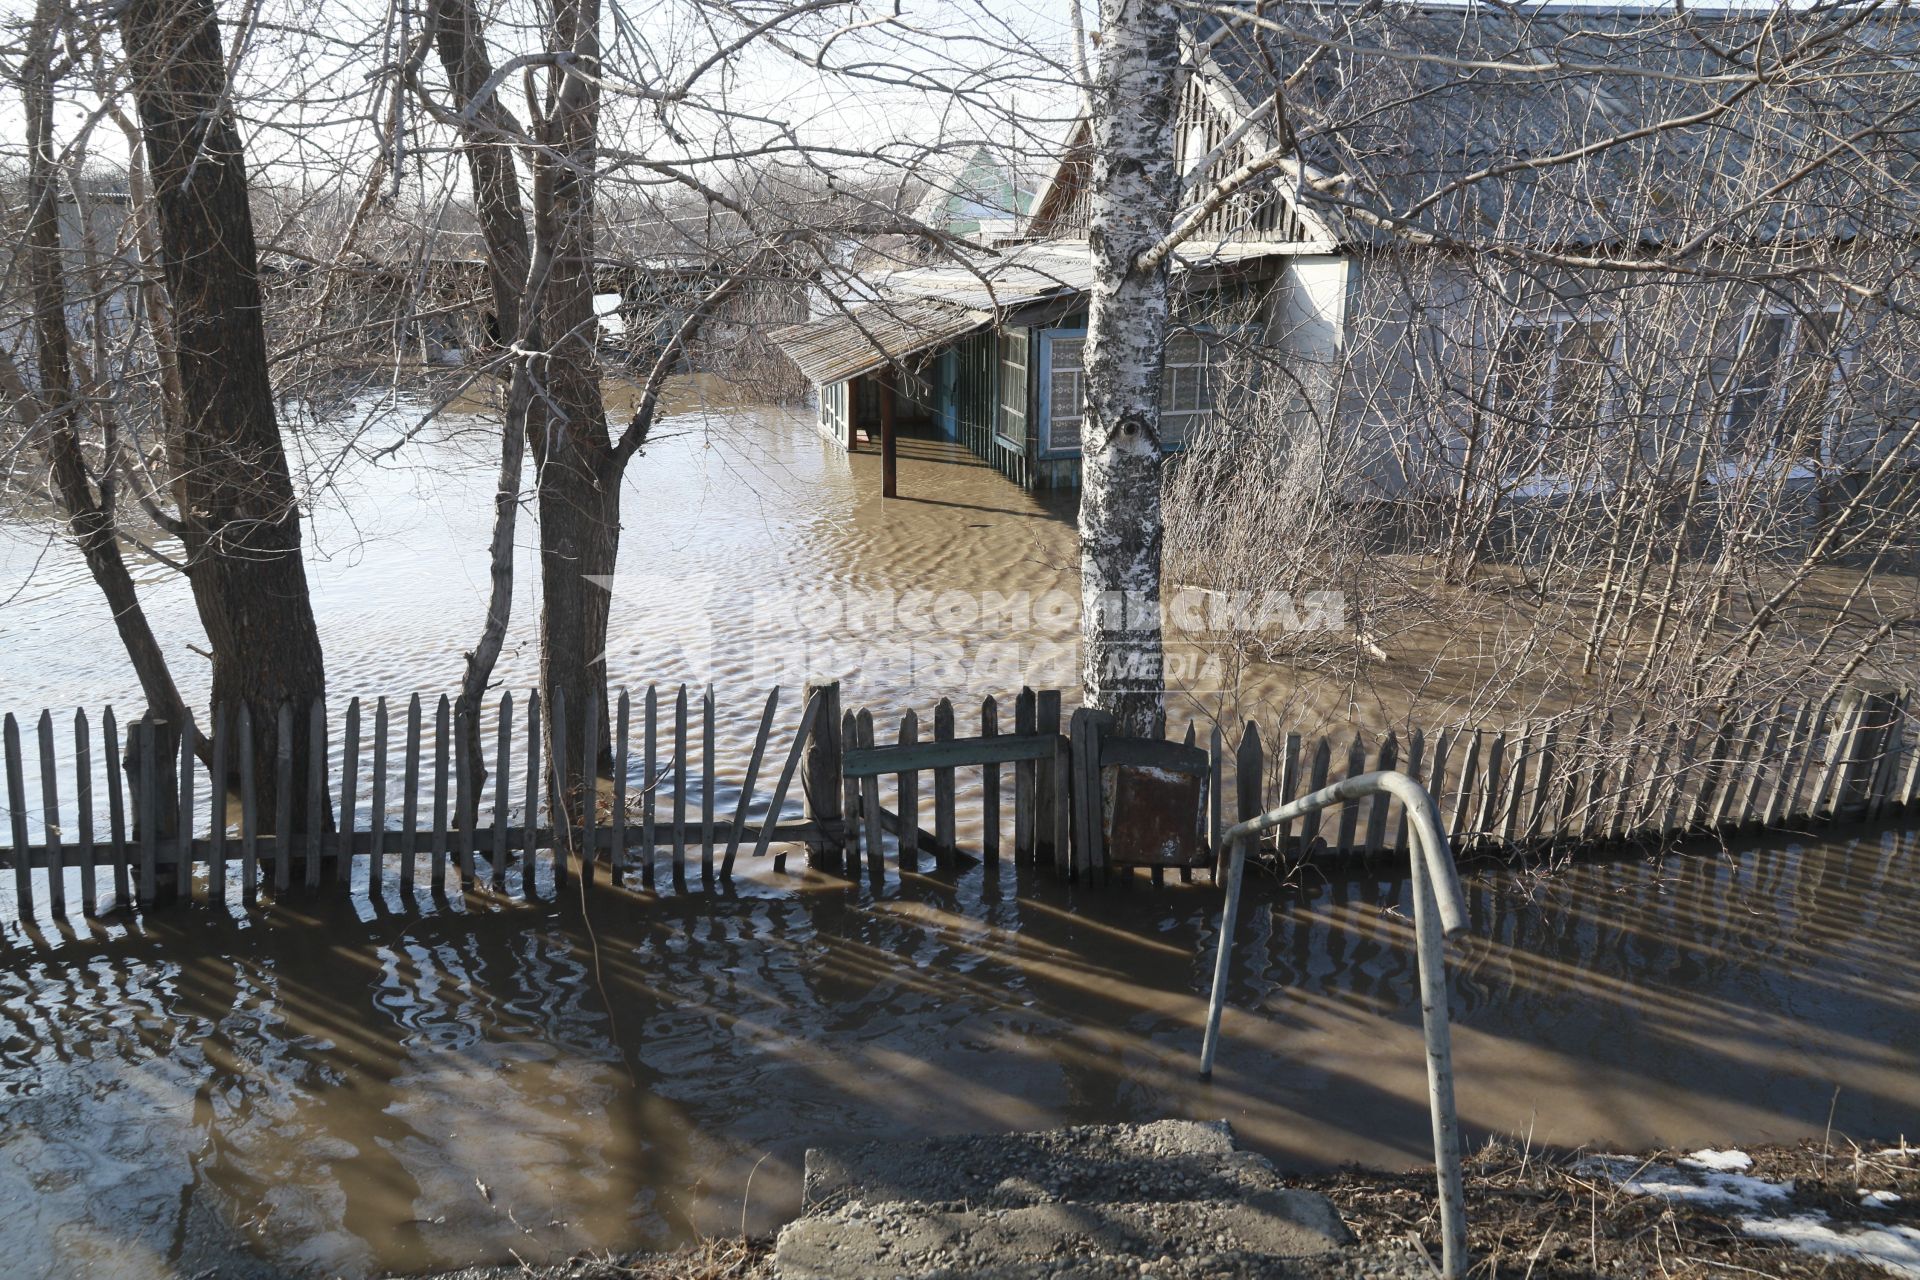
(864,339)
(1410,103)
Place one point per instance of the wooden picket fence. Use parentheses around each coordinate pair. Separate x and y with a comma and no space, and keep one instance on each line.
(427,810)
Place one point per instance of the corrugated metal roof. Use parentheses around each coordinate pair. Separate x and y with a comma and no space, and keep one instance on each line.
(862,340)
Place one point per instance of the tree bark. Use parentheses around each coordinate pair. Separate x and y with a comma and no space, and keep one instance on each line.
(579,491)
(242,525)
(1132,200)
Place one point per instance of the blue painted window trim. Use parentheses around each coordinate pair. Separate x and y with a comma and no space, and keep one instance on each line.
(1044,394)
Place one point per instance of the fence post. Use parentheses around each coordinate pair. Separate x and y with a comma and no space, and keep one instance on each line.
(1046,800)
(820,783)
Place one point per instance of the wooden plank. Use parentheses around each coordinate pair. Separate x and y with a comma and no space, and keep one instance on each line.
(1024,783)
(283,800)
(1150,753)
(17,815)
(180,884)
(894,758)
(146,823)
(83,801)
(1416,753)
(752,779)
(1626,779)
(349,794)
(1513,794)
(377,808)
(943,784)
(216,805)
(707,770)
(990,786)
(1349,826)
(650,779)
(316,788)
(1466,792)
(1385,758)
(410,799)
(1803,799)
(51,821)
(466,807)
(591,717)
(1493,775)
(1843,746)
(1319,765)
(1750,796)
(1186,873)
(1085,728)
(1736,753)
(1292,765)
(1062,789)
(1888,738)
(442,735)
(249,809)
(817,706)
(116,807)
(850,803)
(870,797)
(530,801)
(1050,805)
(502,762)
(565,821)
(1779,797)
(1676,804)
(828,798)
(1216,801)
(623,716)
(1249,781)
(907,788)
(1546,778)
(1909,790)
(680,787)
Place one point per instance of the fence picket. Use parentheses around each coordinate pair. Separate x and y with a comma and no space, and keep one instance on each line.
(316,787)
(283,800)
(465,806)
(83,797)
(850,805)
(1024,773)
(907,798)
(990,786)
(870,798)
(1383,759)
(181,884)
(680,787)
(216,806)
(50,821)
(943,787)
(502,762)
(410,799)
(1317,770)
(377,807)
(17,813)
(558,808)
(817,708)
(650,780)
(746,788)
(249,810)
(530,802)
(349,795)
(442,739)
(706,787)
(1465,791)
(617,858)
(116,807)
(589,802)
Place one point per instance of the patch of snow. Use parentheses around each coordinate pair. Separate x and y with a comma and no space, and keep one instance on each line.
(1721,1161)
(1690,1182)
(1879,1199)
(1895,1249)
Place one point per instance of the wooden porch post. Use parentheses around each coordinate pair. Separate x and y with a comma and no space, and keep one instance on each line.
(889,468)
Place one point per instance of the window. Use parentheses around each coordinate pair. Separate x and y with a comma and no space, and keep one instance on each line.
(1551,379)
(1066,392)
(1782,382)
(833,410)
(1186,387)
(1010,416)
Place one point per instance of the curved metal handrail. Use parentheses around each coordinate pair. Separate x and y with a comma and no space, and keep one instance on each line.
(1436,891)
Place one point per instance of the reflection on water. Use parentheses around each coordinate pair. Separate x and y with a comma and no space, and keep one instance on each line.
(342,1089)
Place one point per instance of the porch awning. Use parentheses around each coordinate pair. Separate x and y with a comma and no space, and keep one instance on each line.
(860,341)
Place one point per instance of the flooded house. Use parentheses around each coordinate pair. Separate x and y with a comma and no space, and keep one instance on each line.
(1421,300)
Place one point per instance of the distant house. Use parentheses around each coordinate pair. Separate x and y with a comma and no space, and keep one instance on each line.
(976,198)
(1428,150)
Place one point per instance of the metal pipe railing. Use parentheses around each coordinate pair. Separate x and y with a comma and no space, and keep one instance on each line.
(1436,893)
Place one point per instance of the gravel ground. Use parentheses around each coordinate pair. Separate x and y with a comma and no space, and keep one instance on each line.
(1531,1217)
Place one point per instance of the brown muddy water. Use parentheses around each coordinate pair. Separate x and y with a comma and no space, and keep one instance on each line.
(341,1090)
(355,1087)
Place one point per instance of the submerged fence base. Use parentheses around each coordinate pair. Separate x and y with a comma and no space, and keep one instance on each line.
(397,788)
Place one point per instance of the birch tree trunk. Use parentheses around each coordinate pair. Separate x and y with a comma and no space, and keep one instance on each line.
(1134,188)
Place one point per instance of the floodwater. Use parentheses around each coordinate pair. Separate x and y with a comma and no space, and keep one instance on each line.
(353,1086)
(340,1090)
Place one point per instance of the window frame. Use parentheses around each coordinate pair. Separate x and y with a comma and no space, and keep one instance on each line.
(1000,406)
(1557,325)
(1778,388)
